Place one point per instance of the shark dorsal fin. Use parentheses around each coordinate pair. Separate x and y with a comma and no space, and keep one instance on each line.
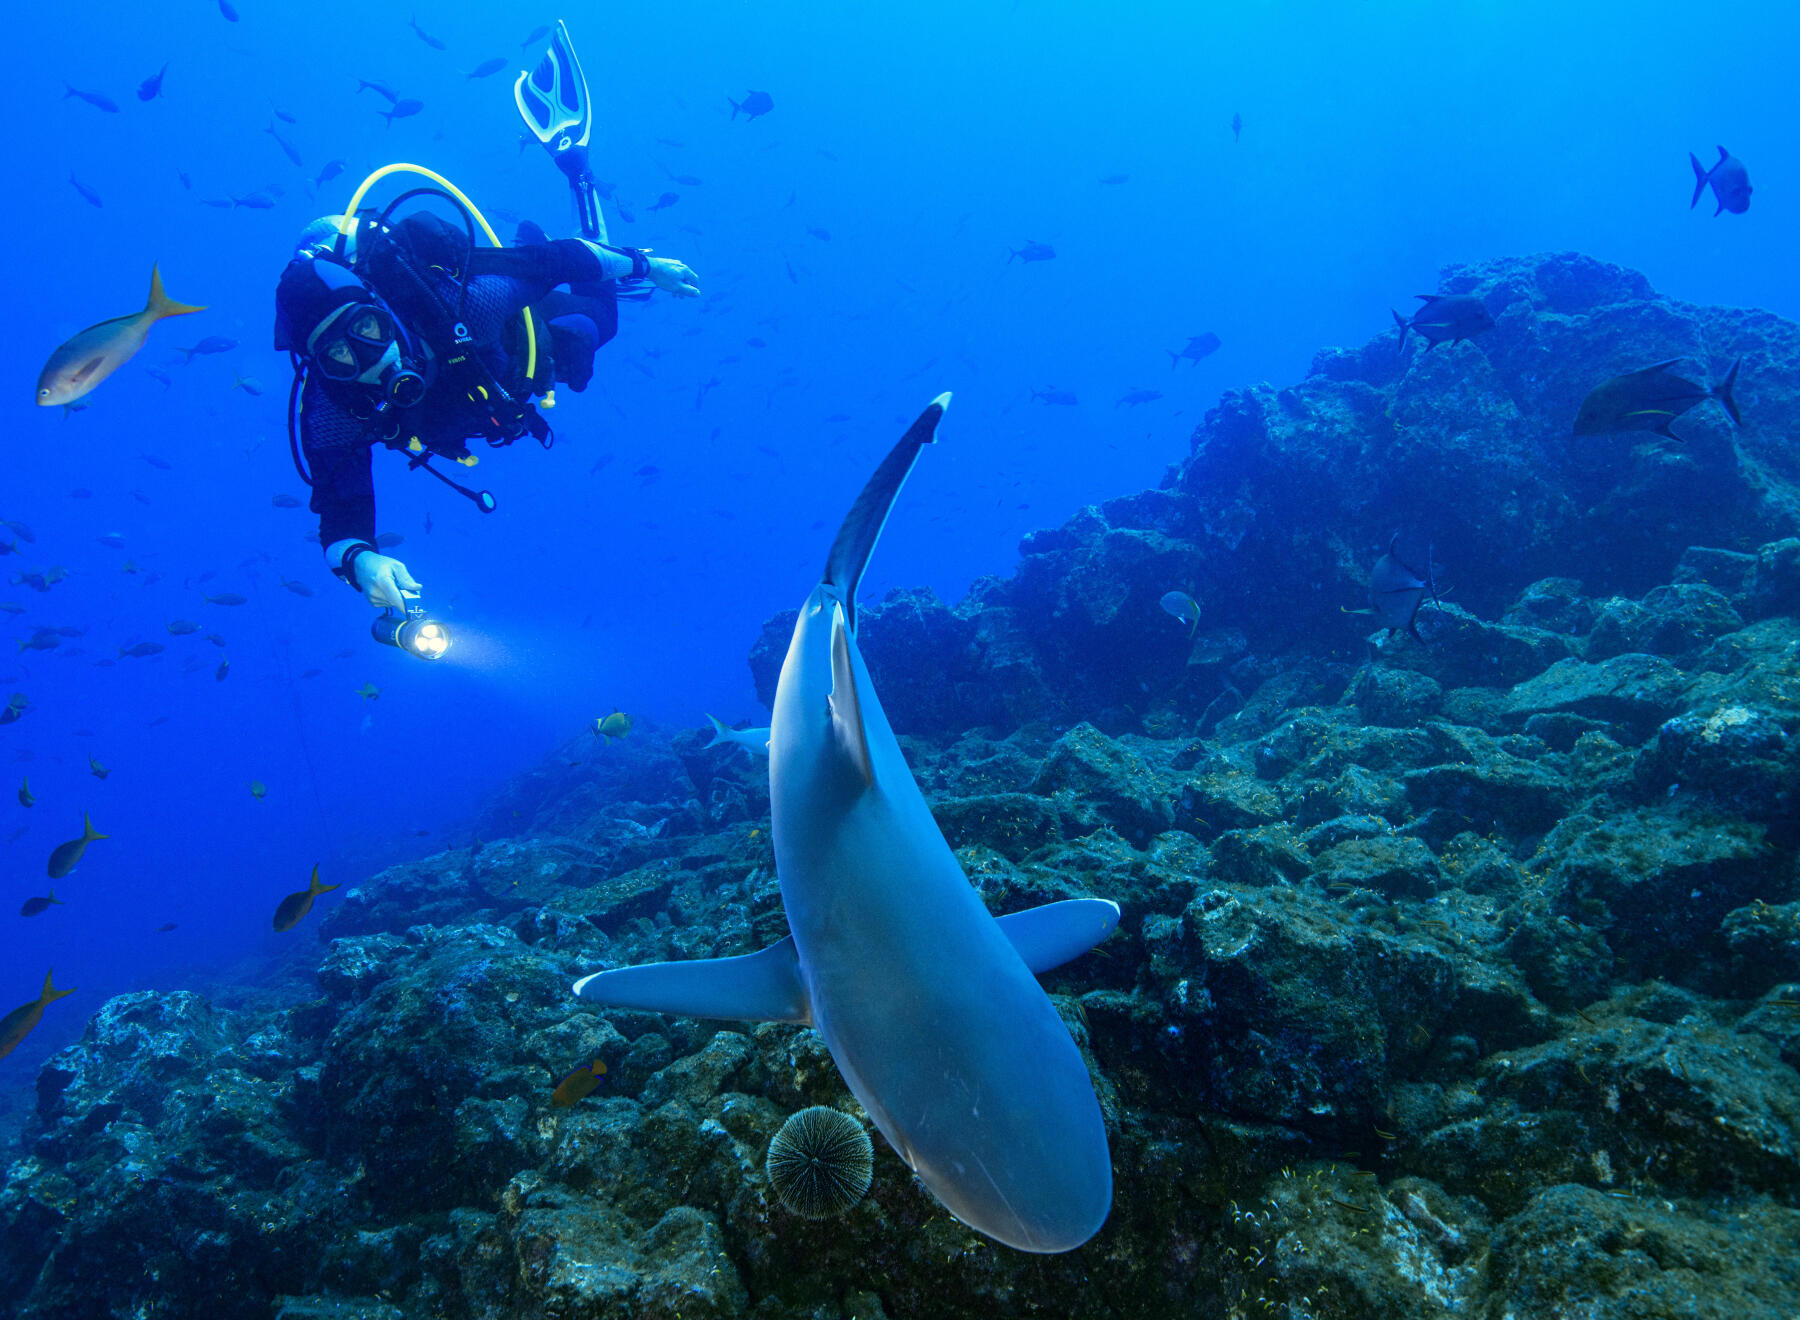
(847,731)
(862,526)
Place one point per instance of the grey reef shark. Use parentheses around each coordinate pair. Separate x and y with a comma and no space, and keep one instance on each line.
(929,1005)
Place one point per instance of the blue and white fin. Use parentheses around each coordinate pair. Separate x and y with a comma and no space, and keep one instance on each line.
(1056,933)
(758,987)
(862,525)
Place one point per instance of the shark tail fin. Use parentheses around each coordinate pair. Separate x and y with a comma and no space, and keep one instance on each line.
(862,526)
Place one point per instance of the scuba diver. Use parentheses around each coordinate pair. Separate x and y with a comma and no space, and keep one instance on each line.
(411,335)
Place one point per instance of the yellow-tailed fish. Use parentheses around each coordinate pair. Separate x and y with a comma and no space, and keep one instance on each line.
(66,856)
(296,905)
(90,357)
(17,1025)
(615,725)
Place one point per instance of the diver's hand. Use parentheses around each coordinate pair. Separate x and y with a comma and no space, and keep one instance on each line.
(384,581)
(672,276)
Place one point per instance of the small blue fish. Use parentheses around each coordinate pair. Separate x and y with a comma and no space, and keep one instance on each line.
(227,12)
(1032,251)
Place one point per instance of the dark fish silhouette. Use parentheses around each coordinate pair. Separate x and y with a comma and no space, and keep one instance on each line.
(487,68)
(211,344)
(667,200)
(1650,399)
(1396,591)
(537,35)
(1198,346)
(94,99)
(88,195)
(332,169)
(1237,127)
(151,87)
(380,89)
(1133,398)
(403,110)
(292,910)
(287,147)
(1445,318)
(65,857)
(229,14)
(35,904)
(425,36)
(1060,398)
(1114,180)
(1729,180)
(1032,251)
(753,106)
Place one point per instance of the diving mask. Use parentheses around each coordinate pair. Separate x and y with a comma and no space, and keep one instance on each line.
(361,342)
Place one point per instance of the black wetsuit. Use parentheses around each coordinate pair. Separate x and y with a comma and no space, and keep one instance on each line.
(501,283)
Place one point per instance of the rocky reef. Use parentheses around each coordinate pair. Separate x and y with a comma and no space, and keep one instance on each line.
(1457,977)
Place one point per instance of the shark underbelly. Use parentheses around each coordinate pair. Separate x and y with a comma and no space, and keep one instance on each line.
(942,1032)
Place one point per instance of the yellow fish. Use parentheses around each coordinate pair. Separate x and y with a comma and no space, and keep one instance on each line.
(578,1085)
(296,905)
(17,1025)
(66,856)
(615,725)
(90,357)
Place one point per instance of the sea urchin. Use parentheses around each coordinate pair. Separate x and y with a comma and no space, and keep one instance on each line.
(820,1162)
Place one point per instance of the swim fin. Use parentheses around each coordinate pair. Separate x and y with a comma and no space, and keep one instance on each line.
(554,102)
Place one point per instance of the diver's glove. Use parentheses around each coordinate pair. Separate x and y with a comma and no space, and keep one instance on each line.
(672,276)
(382,579)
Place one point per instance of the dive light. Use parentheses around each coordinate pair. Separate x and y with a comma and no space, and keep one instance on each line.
(413,631)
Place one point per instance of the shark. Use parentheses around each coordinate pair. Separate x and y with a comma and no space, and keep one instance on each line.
(929,1005)
(754,741)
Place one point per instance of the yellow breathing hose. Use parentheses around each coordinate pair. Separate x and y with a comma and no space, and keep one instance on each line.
(347,224)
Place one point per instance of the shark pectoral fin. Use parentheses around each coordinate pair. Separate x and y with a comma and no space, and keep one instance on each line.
(848,734)
(758,987)
(1051,935)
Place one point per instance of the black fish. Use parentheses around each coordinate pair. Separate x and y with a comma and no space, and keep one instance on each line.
(1060,398)
(151,87)
(425,36)
(88,195)
(1444,318)
(487,68)
(331,170)
(1198,346)
(665,201)
(1032,251)
(537,35)
(1649,400)
(1730,183)
(403,110)
(753,105)
(380,89)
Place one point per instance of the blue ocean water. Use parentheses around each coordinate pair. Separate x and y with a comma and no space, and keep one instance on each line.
(853,246)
